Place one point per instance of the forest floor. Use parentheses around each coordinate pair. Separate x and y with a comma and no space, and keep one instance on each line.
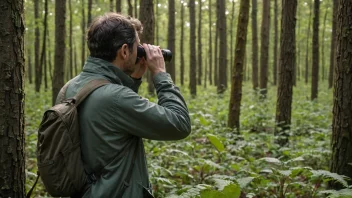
(214,161)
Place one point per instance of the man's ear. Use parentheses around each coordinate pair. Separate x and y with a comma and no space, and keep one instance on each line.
(123,52)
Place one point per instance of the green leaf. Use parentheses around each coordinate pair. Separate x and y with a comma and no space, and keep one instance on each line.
(271,160)
(333,176)
(216,142)
(243,182)
(232,191)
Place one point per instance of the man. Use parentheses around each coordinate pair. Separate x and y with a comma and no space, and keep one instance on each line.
(114,118)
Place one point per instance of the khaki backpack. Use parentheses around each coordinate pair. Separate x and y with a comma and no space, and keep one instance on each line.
(58,150)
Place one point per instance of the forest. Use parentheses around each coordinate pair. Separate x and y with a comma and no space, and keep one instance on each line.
(267,84)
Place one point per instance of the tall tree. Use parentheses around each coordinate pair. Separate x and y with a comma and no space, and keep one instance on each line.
(286,69)
(83,38)
(200,74)
(210,54)
(37,65)
(43,55)
(90,2)
(135,9)
(182,57)
(118,5)
(146,13)
(222,85)
(70,39)
(307,47)
(12,136)
(276,40)
(315,43)
(130,8)
(111,7)
(171,39)
(192,42)
(264,47)
(216,53)
(341,143)
(333,42)
(231,34)
(236,80)
(323,46)
(254,45)
(60,47)
(156,22)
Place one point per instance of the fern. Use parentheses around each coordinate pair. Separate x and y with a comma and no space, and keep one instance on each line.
(344,193)
(331,176)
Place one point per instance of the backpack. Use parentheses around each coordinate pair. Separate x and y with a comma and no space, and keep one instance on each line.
(58,150)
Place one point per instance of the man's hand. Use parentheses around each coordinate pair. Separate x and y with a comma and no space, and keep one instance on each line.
(155,60)
(141,68)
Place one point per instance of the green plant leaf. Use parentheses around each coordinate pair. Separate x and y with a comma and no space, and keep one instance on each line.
(243,182)
(332,176)
(271,160)
(216,142)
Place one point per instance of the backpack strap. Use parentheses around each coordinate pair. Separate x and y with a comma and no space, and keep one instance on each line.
(87,89)
(62,93)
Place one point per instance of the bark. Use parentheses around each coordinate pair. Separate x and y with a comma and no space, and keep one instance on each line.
(83,38)
(43,55)
(276,40)
(315,43)
(171,39)
(192,42)
(199,79)
(30,75)
(49,58)
(118,5)
(231,35)
(341,143)
(210,54)
(38,68)
(130,8)
(222,85)
(60,47)
(333,43)
(254,45)
(147,19)
(264,48)
(308,36)
(182,59)
(12,97)
(236,80)
(135,9)
(75,60)
(156,23)
(286,70)
(111,7)
(89,12)
(70,39)
(216,54)
(323,47)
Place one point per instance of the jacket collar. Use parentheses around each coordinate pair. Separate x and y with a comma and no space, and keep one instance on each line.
(108,70)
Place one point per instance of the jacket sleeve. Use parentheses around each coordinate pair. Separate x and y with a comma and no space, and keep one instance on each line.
(137,83)
(167,120)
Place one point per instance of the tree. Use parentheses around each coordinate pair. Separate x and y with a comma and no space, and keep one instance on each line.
(70,39)
(210,47)
(43,57)
(90,2)
(231,34)
(315,43)
(307,47)
(199,79)
(146,13)
(236,80)
(222,85)
(192,42)
(264,47)
(37,65)
(182,57)
(118,5)
(130,8)
(254,46)
(323,46)
(12,136)
(286,69)
(83,40)
(341,143)
(276,38)
(60,47)
(333,42)
(171,39)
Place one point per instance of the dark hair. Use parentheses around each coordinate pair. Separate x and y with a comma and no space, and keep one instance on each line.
(108,33)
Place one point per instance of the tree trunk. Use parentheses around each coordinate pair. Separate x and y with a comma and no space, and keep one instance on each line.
(130,8)
(75,60)
(315,43)
(135,9)
(216,54)
(182,61)
(192,42)
(30,75)
(199,79)
(49,58)
(147,19)
(43,55)
(205,72)
(156,23)
(118,5)
(236,80)
(111,7)
(286,70)
(210,54)
(276,39)
(89,12)
(60,47)
(12,136)
(70,39)
(222,85)
(171,39)
(264,48)
(231,35)
(254,46)
(83,38)
(307,48)
(333,43)
(323,47)
(37,65)
(342,115)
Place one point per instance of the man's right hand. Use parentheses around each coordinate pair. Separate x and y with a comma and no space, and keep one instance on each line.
(155,60)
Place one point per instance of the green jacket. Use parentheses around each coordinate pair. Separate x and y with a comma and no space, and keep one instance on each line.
(115,116)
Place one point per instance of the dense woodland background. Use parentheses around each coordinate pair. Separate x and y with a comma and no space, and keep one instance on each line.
(267,83)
